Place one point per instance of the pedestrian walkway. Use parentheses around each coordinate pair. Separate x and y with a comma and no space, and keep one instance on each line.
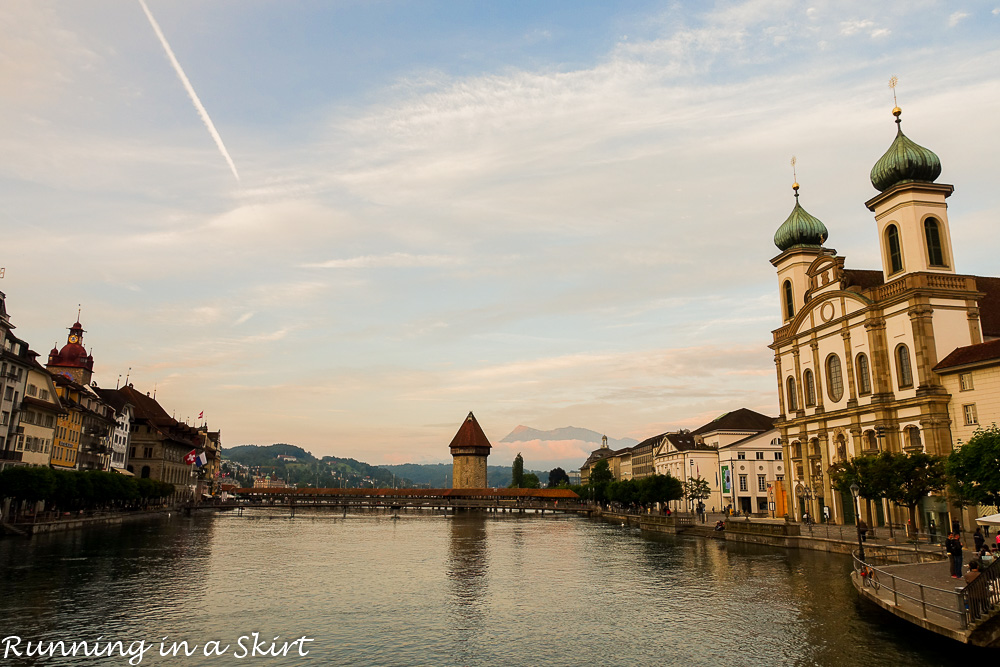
(925,594)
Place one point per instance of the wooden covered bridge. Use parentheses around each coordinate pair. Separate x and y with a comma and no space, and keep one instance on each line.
(436,500)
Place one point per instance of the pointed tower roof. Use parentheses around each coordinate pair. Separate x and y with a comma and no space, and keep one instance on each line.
(800,228)
(905,161)
(470,435)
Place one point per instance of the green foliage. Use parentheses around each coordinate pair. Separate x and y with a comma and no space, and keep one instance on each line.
(645,491)
(697,488)
(660,489)
(557,476)
(974,469)
(911,477)
(865,471)
(601,473)
(531,481)
(27,483)
(905,479)
(517,472)
(79,489)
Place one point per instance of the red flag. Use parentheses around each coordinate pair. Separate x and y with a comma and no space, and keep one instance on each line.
(201,415)
(191,457)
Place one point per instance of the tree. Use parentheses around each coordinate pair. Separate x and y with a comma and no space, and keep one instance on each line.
(530,481)
(517,472)
(912,477)
(973,470)
(866,472)
(697,489)
(600,477)
(557,476)
(660,489)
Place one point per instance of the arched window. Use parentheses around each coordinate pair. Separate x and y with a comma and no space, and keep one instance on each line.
(789,300)
(893,248)
(797,450)
(913,437)
(903,372)
(841,447)
(793,403)
(145,472)
(864,376)
(809,386)
(834,378)
(935,256)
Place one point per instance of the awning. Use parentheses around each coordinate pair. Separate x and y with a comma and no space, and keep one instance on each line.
(991,520)
(124,472)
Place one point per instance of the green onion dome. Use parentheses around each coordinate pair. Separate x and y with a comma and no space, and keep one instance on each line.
(800,228)
(904,162)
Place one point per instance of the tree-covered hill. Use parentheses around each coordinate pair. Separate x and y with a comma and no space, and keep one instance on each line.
(306,470)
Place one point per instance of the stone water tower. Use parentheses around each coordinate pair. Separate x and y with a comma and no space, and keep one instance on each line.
(469,450)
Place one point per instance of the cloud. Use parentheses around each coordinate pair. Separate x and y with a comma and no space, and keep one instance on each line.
(954,19)
(394,260)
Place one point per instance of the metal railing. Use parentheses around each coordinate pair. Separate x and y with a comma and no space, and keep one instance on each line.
(908,594)
(963,605)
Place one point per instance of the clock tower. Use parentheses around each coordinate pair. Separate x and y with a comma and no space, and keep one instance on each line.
(72,361)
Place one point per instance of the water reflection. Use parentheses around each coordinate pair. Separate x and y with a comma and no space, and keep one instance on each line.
(468,560)
(462,590)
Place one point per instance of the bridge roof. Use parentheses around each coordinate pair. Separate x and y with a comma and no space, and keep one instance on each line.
(541,494)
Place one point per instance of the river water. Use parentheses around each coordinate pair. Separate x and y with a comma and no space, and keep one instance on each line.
(434,590)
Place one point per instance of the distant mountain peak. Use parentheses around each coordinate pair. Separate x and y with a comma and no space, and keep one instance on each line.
(524,433)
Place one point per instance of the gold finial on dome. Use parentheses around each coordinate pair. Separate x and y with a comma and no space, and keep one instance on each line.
(896,111)
(795,179)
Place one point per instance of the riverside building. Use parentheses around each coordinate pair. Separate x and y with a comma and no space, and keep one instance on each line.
(857,356)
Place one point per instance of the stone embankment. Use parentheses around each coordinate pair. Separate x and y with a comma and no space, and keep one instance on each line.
(75,522)
(771,532)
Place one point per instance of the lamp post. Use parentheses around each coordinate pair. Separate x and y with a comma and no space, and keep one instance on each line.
(855,491)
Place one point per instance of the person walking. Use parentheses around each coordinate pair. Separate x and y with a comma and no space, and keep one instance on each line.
(953,545)
(978,539)
(863,529)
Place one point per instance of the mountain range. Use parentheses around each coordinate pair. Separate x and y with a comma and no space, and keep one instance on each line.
(526,433)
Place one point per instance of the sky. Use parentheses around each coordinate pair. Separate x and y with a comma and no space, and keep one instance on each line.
(548,213)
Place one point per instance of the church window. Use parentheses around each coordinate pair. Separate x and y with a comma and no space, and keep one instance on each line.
(834,378)
(809,384)
(913,435)
(935,256)
(903,370)
(864,376)
(893,248)
(792,402)
(789,300)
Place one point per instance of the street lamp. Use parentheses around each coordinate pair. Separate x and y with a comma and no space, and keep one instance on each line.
(855,491)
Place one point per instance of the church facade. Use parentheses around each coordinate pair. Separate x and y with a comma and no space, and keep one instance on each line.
(856,354)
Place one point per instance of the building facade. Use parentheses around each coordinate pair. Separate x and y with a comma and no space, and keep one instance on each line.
(40,413)
(856,353)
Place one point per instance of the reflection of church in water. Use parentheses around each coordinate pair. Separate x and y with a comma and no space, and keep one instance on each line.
(871,360)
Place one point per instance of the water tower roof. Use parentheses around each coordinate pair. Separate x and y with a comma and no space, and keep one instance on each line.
(470,434)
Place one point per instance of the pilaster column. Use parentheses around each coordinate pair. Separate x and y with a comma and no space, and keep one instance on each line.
(922,324)
(817,373)
(880,370)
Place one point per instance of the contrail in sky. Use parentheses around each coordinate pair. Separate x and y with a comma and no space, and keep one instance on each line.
(190,90)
